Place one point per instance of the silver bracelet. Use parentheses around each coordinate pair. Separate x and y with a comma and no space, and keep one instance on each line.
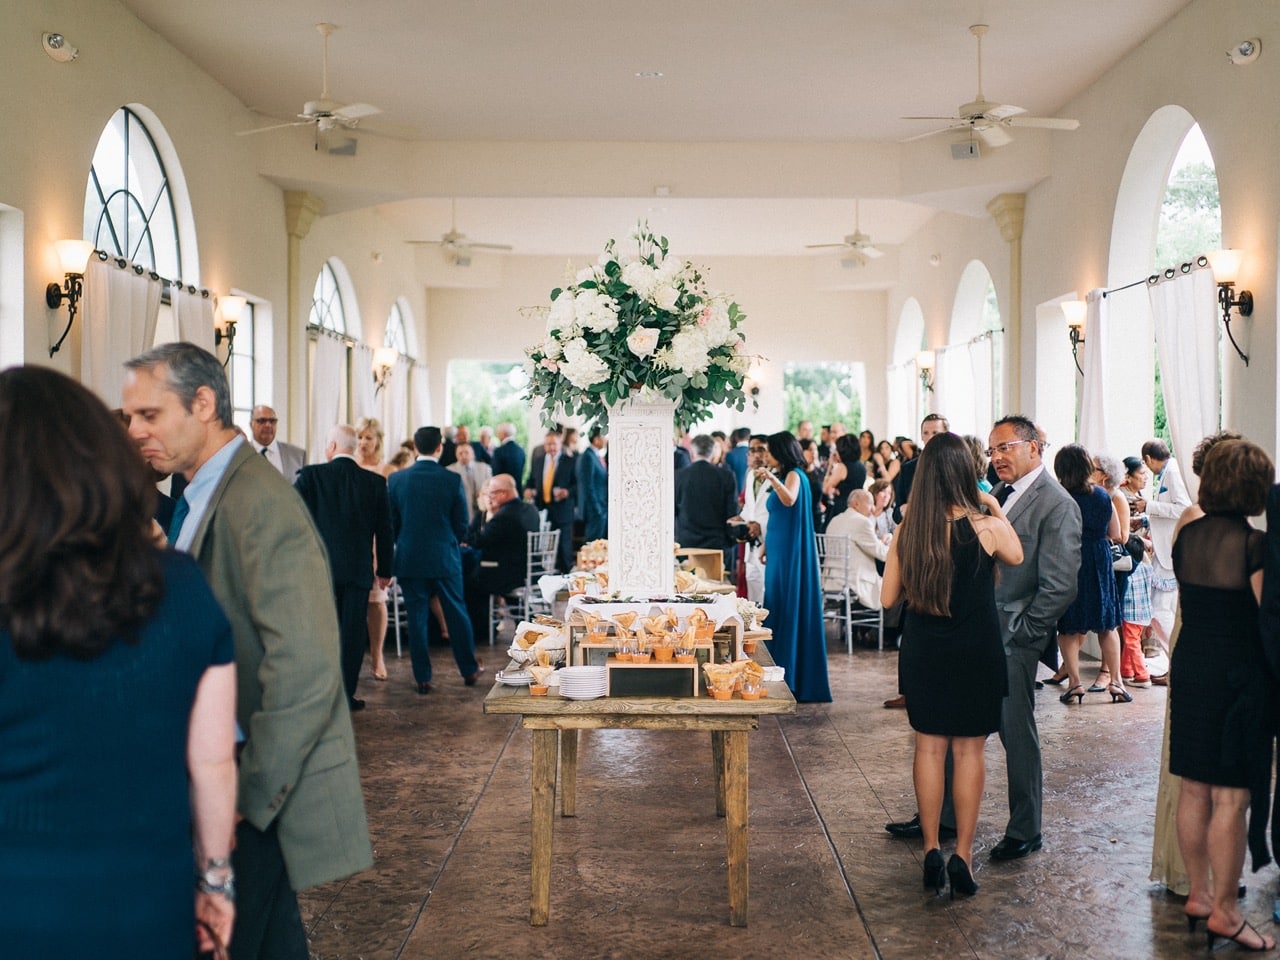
(219,878)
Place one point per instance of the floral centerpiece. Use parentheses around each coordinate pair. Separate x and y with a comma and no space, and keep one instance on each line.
(638,322)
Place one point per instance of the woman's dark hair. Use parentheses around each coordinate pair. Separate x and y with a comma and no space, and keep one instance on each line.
(1074,468)
(78,569)
(1132,465)
(1236,479)
(784,448)
(944,479)
(908,442)
(885,443)
(849,448)
(871,446)
(1208,443)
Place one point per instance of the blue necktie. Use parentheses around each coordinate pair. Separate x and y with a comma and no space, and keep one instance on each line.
(180,511)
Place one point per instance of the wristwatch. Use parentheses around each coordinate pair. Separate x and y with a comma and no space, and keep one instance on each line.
(218,878)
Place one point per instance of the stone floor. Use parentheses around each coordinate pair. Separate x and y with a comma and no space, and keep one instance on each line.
(639,873)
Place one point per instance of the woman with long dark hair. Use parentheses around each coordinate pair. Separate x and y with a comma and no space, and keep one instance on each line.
(952,664)
(1094,609)
(792,584)
(117,696)
(845,474)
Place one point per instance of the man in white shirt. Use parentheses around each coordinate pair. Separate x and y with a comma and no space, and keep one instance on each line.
(754,494)
(473,473)
(1165,504)
(865,549)
(285,457)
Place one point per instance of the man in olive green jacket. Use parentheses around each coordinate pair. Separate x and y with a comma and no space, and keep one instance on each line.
(299,795)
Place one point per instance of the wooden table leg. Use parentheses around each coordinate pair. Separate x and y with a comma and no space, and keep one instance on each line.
(541,815)
(735,823)
(568,772)
(717,761)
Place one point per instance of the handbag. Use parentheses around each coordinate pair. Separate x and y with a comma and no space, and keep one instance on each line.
(1121,561)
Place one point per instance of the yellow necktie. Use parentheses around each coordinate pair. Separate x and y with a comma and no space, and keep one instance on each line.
(548,472)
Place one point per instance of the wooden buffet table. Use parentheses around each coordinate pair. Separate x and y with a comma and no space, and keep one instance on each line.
(555,722)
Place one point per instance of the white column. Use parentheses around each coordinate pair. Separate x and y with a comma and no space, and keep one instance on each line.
(642,498)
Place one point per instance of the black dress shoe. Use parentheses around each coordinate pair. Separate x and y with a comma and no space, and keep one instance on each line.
(355,704)
(471,680)
(1011,849)
(424,688)
(911,830)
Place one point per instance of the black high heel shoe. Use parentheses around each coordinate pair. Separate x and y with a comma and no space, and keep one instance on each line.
(1119,694)
(935,871)
(962,881)
(1055,680)
(1212,937)
(1193,921)
(1077,691)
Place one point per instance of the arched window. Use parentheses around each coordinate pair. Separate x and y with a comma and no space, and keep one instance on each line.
(327,309)
(129,204)
(968,371)
(394,336)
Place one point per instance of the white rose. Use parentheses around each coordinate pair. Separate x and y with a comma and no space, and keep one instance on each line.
(643,341)
(665,295)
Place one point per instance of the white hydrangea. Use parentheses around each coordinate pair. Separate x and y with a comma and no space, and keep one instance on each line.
(641,278)
(594,311)
(551,348)
(664,295)
(561,315)
(715,324)
(580,366)
(687,352)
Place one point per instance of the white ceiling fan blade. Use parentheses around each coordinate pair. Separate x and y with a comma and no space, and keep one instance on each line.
(954,125)
(992,134)
(274,126)
(871,253)
(1044,123)
(354,111)
(824,246)
(433,243)
(489,246)
(1003,111)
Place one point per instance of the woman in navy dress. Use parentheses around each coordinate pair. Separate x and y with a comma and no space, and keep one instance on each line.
(792,586)
(952,666)
(117,697)
(1094,609)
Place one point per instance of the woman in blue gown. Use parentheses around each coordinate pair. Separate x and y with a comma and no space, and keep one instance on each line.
(792,588)
(117,698)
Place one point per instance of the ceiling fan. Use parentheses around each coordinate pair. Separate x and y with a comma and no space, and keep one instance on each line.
(457,248)
(990,121)
(325,113)
(857,244)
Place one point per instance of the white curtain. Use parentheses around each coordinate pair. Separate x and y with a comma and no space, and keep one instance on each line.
(953,388)
(328,371)
(982,385)
(420,398)
(194,314)
(396,405)
(117,311)
(903,383)
(1185,310)
(1097,353)
(363,401)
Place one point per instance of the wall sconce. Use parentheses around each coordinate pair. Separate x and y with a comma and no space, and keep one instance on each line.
(1226,267)
(73,255)
(925,361)
(384,361)
(1075,311)
(229,310)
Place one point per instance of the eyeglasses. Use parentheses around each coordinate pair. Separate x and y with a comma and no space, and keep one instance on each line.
(1004,449)
(265,420)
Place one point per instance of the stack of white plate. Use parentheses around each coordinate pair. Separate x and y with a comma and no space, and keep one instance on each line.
(583,683)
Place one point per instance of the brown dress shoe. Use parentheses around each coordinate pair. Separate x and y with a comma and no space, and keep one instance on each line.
(896,703)
(471,680)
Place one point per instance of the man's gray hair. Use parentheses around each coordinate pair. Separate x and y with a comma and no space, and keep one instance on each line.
(187,369)
(343,437)
(702,445)
(860,495)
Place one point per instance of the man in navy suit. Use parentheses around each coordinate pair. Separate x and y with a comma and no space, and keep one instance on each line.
(593,488)
(349,504)
(429,519)
(736,458)
(503,544)
(551,487)
(508,456)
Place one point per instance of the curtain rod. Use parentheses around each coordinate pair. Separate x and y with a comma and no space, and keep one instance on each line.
(1169,273)
(314,330)
(124,264)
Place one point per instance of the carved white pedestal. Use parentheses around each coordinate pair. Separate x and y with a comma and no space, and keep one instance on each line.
(641,498)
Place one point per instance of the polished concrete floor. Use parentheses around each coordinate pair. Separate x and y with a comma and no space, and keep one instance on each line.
(639,873)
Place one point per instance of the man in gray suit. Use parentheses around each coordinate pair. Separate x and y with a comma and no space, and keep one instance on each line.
(285,457)
(1030,598)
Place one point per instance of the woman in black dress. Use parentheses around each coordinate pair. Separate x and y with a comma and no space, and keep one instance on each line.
(952,664)
(845,474)
(1222,695)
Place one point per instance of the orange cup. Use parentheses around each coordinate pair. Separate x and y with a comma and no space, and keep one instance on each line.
(722,694)
(686,657)
(538,689)
(663,654)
